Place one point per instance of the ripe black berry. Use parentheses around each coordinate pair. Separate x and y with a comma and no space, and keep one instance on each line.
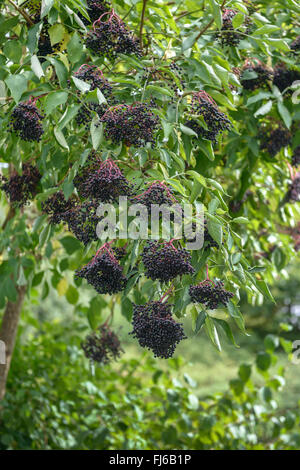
(155,329)
(274,138)
(102,180)
(22,188)
(132,124)
(163,261)
(210,294)
(296,156)
(26,121)
(216,121)
(295,45)
(294,190)
(283,77)
(110,36)
(228,35)
(104,272)
(157,193)
(102,345)
(56,206)
(95,9)
(82,221)
(261,75)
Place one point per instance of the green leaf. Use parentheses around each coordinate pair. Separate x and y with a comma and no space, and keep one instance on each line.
(227,329)
(206,147)
(216,12)
(17,85)
(72,295)
(61,71)
(36,67)
(285,114)
(56,33)
(60,138)
(55,99)
(212,332)
(81,84)
(238,20)
(187,130)
(215,230)
(263,361)
(46,7)
(70,244)
(264,109)
(266,29)
(96,132)
(245,372)
(74,48)
(197,177)
(200,321)
(237,316)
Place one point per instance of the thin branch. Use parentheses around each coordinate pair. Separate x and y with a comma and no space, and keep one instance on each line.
(209,24)
(27,17)
(142,22)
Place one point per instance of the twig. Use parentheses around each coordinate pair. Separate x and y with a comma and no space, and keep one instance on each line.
(209,24)
(142,22)
(27,17)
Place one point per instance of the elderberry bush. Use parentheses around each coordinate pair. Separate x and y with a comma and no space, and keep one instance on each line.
(82,221)
(104,272)
(132,124)
(284,77)
(216,121)
(255,75)
(25,121)
(163,261)
(210,294)
(274,138)
(94,76)
(296,156)
(110,37)
(102,180)
(102,346)
(20,189)
(155,329)
(56,206)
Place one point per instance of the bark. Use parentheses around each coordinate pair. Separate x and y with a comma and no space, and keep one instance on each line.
(8,334)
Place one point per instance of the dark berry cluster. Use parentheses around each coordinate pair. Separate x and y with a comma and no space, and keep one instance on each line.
(26,121)
(273,139)
(284,77)
(236,205)
(102,345)
(157,193)
(295,45)
(132,124)
(163,261)
(255,75)
(104,272)
(102,180)
(216,121)
(94,76)
(210,294)
(155,329)
(171,77)
(56,206)
(82,221)
(228,36)
(294,190)
(95,9)
(22,188)
(296,156)
(110,37)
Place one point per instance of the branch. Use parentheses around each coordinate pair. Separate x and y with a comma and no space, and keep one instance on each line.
(209,24)
(142,23)
(27,17)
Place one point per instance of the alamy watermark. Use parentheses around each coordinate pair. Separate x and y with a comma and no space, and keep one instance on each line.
(139,221)
(296,352)
(2,353)
(296,94)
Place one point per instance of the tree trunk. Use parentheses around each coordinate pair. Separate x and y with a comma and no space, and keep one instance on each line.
(8,333)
